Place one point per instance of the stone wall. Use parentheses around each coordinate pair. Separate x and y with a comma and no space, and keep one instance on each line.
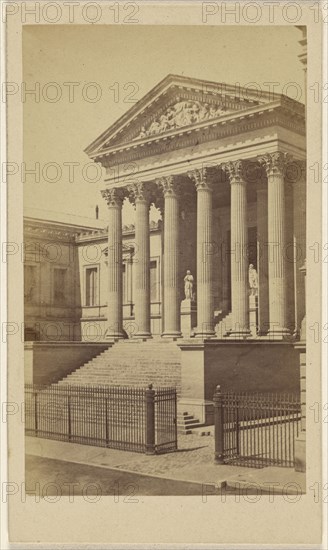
(259,366)
(46,363)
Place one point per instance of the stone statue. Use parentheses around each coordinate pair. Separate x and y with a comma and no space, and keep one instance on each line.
(182,113)
(253,280)
(188,281)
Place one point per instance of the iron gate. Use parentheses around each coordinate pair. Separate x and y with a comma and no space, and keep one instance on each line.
(256,429)
(166,420)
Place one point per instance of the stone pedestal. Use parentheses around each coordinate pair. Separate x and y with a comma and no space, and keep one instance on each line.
(188,317)
(193,382)
(300,442)
(253,323)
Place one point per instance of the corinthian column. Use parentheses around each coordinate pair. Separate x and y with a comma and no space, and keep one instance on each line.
(114,198)
(299,191)
(140,196)
(262,260)
(275,167)
(171,298)
(205,302)
(239,260)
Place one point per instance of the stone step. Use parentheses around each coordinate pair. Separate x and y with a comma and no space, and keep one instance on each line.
(186,423)
(134,364)
(189,422)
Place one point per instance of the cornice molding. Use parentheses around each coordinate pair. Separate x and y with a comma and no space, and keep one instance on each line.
(49,233)
(102,234)
(238,124)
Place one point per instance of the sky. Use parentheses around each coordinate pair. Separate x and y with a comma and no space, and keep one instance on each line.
(125,62)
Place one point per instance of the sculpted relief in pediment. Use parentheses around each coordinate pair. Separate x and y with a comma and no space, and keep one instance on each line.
(183,113)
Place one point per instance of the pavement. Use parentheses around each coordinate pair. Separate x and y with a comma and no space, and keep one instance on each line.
(193,462)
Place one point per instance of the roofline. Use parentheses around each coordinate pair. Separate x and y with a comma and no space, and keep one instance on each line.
(59,224)
(165,82)
(223,119)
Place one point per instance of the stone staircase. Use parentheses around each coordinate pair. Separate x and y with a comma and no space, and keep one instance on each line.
(186,423)
(132,363)
(224,325)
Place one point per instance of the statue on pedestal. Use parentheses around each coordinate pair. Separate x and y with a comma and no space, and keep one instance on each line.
(188,287)
(253,280)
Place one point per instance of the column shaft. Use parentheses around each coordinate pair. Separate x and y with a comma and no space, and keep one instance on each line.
(205,290)
(299,193)
(275,163)
(262,261)
(239,260)
(171,309)
(114,200)
(289,256)
(142,266)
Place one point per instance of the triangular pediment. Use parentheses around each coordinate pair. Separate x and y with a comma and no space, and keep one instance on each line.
(176,104)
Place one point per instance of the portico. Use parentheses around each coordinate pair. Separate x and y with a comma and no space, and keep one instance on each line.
(219,167)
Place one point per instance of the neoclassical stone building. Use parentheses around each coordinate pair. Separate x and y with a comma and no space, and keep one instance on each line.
(226,168)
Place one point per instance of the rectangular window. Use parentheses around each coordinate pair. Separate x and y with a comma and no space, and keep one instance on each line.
(153,281)
(91,286)
(30,283)
(59,285)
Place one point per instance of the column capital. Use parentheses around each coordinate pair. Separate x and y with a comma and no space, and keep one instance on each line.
(275,163)
(113,196)
(236,171)
(200,179)
(168,185)
(139,192)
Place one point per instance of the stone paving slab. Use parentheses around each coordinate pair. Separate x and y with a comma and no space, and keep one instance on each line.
(193,462)
(274,480)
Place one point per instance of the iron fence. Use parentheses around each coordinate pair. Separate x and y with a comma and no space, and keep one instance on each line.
(130,419)
(256,429)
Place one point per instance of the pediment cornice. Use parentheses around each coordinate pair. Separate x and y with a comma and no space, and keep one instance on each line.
(180,104)
(277,114)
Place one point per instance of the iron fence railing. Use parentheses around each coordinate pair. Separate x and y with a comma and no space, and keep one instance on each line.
(256,429)
(130,419)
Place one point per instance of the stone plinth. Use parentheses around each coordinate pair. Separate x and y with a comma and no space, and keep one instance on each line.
(193,382)
(300,441)
(253,322)
(236,366)
(188,317)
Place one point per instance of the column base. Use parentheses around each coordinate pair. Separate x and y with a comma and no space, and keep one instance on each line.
(238,334)
(279,333)
(172,334)
(116,336)
(142,335)
(262,332)
(205,334)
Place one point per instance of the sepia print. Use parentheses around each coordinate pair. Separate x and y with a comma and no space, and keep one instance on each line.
(164,265)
